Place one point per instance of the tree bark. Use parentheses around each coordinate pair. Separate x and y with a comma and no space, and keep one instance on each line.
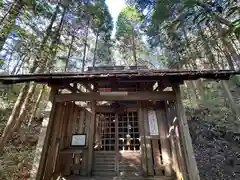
(232,103)
(26,92)
(15,112)
(227,48)
(10,22)
(215,16)
(69,53)
(48,62)
(7,13)
(95,49)
(36,105)
(21,65)
(134,49)
(23,111)
(85,45)
(18,64)
(235,56)
(39,60)
(226,91)
(222,34)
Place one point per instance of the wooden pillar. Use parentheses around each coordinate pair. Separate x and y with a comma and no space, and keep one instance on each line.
(186,138)
(157,157)
(58,146)
(148,142)
(66,143)
(78,129)
(44,138)
(85,115)
(60,162)
(178,163)
(165,146)
(91,135)
(53,145)
(142,138)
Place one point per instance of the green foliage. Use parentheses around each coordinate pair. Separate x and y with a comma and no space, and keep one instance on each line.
(236,27)
(129,21)
(1,62)
(128,34)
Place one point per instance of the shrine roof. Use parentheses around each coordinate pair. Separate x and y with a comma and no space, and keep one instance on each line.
(98,74)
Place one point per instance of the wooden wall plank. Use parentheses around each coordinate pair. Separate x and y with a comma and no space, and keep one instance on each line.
(157,158)
(186,138)
(148,142)
(85,115)
(181,156)
(91,137)
(165,146)
(170,116)
(56,160)
(68,157)
(60,160)
(142,138)
(68,122)
(77,130)
(182,171)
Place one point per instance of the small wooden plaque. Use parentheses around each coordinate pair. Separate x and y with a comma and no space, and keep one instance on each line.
(78,140)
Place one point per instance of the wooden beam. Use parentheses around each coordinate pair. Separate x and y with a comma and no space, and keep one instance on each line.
(96,96)
(186,138)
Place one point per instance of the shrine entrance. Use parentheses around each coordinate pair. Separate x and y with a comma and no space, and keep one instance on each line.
(117,144)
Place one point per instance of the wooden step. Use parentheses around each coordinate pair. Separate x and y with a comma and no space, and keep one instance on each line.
(116,178)
(105,156)
(104,168)
(103,174)
(104,159)
(103,163)
(105,152)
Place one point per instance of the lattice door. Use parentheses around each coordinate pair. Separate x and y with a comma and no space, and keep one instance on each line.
(106,131)
(128,132)
(117,132)
(118,150)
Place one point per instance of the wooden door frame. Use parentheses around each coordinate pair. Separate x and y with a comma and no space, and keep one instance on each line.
(117,145)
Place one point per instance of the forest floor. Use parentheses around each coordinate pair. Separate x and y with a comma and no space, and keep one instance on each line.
(16,162)
(217,151)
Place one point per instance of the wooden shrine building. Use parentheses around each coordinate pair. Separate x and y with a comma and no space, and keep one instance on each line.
(115,123)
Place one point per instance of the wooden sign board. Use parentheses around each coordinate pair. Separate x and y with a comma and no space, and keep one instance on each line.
(153,124)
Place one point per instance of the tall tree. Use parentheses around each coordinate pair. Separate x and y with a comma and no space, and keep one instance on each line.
(128,33)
